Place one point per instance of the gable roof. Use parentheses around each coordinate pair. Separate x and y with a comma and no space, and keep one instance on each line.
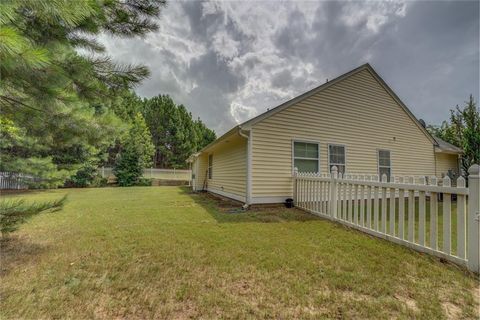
(249,123)
(446,147)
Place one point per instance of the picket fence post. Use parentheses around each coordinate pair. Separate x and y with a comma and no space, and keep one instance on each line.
(333,192)
(295,188)
(473,245)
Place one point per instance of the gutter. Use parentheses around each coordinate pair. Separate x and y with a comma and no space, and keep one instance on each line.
(248,134)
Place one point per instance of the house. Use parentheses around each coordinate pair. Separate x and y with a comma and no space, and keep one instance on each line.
(355,122)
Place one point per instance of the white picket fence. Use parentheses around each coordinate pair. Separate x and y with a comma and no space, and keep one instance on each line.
(13,181)
(161,174)
(388,210)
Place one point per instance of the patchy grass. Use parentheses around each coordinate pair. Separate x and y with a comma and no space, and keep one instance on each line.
(161,252)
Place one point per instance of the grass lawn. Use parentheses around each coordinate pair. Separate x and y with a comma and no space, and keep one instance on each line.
(161,252)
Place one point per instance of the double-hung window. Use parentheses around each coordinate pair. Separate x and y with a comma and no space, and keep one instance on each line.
(210,165)
(306,156)
(336,157)
(384,164)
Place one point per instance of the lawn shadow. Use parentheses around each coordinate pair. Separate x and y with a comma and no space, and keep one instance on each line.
(225,210)
(22,192)
(16,251)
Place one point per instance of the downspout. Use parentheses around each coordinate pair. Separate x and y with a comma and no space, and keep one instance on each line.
(197,175)
(248,188)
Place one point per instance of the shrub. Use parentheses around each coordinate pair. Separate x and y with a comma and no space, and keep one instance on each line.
(15,212)
(83,177)
(99,181)
(128,169)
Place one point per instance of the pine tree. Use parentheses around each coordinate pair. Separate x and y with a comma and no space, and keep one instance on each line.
(136,154)
(56,104)
(174,132)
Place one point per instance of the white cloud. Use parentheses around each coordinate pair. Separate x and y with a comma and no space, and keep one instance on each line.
(228,61)
(224,45)
(373,13)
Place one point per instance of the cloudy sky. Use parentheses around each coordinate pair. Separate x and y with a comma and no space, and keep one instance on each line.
(229,61)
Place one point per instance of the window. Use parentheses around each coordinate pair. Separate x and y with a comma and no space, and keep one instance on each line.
(336,157)
(210,165)
(384,164)
(306,156)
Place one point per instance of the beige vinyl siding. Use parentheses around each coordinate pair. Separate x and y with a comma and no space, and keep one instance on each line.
(445,162)
(356,112)
(229,171)
(200,167)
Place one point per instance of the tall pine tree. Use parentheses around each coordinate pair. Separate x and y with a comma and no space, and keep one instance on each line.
(55,104)
(175,134)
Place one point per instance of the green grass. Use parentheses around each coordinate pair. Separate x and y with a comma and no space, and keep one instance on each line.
(161,252)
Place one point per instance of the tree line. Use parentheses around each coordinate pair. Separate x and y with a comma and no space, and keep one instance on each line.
(66,107)
(462,130)
(162,134)
(173,131)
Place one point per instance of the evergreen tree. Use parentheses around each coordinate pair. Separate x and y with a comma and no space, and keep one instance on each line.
(136,153)
(175,134)
(56,104)
(204,135)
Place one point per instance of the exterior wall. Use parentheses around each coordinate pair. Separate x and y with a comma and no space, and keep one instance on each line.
(445,162)
(229,171)
(356,112)
(199,168)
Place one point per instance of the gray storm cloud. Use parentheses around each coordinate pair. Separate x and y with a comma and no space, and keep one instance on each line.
(229,61)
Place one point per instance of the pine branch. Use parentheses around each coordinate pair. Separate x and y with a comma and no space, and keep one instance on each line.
(15,102)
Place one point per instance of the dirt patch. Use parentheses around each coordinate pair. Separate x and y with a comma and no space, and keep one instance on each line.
(451,310)
(409,302)
(355,296)
(222,203)
(476,295)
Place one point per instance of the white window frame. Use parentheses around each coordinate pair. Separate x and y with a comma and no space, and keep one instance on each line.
(302,158)
(210,166)
(328,154)
(378,164)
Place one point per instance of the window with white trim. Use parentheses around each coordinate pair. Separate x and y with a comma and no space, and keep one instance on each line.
(210,165)
(306,156)
(384,164)
(336,157)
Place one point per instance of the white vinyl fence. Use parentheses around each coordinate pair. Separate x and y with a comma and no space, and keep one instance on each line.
(408,211)
(161,174)
(13,181)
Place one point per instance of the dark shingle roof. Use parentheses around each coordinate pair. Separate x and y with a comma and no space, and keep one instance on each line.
(447,147)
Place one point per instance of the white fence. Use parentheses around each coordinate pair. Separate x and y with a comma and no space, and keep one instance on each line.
(13,181)
(161,174)
(406,211)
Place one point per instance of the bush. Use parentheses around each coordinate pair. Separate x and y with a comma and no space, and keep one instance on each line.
(85,177)
(127,169)
(15,212)
(99,182)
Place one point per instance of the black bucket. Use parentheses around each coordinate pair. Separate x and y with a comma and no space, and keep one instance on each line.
(289,203)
